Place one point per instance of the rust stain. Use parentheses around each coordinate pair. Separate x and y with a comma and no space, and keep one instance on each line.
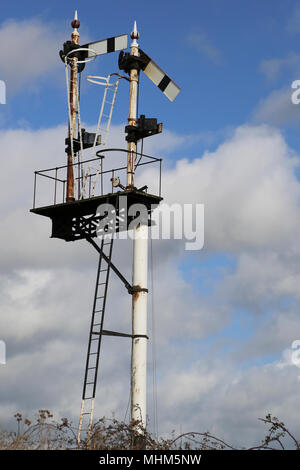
(136,294)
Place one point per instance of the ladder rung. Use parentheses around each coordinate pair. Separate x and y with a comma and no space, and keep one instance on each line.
(96,328)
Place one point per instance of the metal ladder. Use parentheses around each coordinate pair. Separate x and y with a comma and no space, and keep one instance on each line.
(103,125)
(96,331)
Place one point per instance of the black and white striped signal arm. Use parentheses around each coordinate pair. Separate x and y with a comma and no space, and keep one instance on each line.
(116,43)
(159,77)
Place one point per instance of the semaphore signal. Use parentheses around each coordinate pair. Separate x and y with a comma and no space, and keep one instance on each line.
(83,187)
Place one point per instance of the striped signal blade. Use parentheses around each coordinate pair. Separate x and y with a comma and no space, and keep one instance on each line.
(105,46)
(159,77)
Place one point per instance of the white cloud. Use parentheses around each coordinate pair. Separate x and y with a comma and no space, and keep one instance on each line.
(30,52)
(251,195)
(34,56)
(249,189)
(277,109)
(227,403)
(276,333)
(272,68)
(202,44)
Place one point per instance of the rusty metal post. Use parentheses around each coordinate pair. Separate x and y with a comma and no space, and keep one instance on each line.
(133,86)
(73,110)
(139,274)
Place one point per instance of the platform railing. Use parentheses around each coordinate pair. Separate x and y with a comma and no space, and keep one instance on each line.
(50,185)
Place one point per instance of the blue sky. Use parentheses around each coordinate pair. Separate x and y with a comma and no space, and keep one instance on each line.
(228,313)
(212,50)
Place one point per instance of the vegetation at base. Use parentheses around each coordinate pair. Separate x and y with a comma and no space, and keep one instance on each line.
(44,433)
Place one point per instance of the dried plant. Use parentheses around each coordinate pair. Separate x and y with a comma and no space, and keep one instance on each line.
(110,434)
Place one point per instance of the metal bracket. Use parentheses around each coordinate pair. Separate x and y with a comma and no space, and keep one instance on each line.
(124,335)
(115,333)
(128,286)
(135,289)
(128,62)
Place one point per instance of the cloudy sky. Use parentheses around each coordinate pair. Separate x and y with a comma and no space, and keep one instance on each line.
(222,320)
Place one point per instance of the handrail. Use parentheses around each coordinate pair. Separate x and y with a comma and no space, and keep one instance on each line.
(60,182)
(98,158)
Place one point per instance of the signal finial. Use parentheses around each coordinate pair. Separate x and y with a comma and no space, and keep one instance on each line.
(75,23)
(134,35)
